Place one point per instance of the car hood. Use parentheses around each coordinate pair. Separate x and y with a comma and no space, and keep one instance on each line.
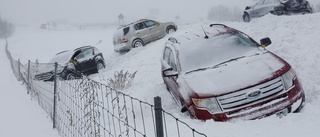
(61,58)
(235,75)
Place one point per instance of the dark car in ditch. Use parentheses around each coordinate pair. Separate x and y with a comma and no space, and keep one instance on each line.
(72,64)
(220,73)
(261,8)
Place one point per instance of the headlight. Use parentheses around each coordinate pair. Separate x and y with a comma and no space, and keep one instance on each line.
(288,78)
(60,69)
(210,103)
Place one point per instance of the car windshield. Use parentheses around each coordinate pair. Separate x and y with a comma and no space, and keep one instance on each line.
(209,53)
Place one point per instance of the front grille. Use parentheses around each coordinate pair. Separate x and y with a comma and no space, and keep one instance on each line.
(242,98)
(44,76)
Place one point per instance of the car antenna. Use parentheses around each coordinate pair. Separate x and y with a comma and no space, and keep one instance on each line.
(206,36)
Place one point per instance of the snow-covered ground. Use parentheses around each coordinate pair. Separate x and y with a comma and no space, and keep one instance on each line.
(295,38)
(20,116)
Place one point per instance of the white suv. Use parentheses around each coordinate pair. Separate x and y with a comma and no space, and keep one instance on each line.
(140,33)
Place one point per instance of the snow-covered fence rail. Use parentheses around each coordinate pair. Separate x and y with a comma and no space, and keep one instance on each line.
(86,108)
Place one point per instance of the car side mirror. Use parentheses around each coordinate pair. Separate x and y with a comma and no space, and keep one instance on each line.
(265,42)
(248,7)
(167,70)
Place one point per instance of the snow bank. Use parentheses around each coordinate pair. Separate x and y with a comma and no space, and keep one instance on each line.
(295,38)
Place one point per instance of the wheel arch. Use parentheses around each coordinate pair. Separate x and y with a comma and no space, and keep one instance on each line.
(137,39)
(169,27)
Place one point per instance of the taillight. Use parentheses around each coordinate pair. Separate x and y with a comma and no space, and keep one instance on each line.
(124,40)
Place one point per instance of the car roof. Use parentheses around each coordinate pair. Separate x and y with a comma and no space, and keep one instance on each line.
(83,47)
(200,33)
(132,23)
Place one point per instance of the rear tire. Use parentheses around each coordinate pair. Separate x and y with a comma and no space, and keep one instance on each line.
(137,43)
(246,17)
(100,66)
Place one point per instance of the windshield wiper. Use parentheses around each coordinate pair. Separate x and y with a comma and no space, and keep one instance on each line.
(216,66)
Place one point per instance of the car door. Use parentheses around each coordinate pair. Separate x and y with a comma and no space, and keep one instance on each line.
(170,59)
(256,9)
(268,6)
(155,29)
(85,61)
(141,31)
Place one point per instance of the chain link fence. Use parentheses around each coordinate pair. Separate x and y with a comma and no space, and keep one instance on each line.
(86,108)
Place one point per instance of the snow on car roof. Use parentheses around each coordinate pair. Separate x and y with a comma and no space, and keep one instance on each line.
(62,57)
(195,34)
(196,51)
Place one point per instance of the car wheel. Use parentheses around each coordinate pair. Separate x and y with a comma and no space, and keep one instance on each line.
(171,29)
(137,43)
(70,76)
(100,66)
(301,105)
(246,17)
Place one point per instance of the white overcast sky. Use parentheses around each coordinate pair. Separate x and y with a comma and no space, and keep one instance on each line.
(92,11)
(107,10)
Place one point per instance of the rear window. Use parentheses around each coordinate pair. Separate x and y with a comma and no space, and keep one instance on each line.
(125,31)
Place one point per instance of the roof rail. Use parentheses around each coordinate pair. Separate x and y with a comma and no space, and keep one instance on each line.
(83,47)
(219,25)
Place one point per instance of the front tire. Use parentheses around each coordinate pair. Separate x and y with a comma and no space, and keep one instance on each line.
(137,43)
(70,76)
(246,17)
(301,105)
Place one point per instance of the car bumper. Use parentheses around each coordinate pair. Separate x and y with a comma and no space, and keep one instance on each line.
(122,47)
(290,101)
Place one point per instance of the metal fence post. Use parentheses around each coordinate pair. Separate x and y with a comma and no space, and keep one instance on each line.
(28,78)
(54,95)
(158,116)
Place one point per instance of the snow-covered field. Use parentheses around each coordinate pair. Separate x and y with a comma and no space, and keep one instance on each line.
(295,38)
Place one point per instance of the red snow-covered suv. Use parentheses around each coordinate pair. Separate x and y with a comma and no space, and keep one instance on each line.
(217,72)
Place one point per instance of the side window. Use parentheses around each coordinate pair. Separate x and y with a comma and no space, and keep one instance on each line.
(84,54)
(150,23)
(126,30)
(172,61)
(95,51)
(166,54)
(139,26)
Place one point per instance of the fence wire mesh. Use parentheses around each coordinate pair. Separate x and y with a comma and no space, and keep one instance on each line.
(86,108)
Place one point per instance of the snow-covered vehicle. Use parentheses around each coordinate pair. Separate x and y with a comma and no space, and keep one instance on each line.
(139,33)
(72,64)
(220,73)
(261,8)
(291,7)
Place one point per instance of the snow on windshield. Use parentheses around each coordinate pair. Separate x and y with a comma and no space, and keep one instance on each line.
(62,58)
(209,52)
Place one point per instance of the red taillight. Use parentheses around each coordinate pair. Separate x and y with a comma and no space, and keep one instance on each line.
(124,40)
